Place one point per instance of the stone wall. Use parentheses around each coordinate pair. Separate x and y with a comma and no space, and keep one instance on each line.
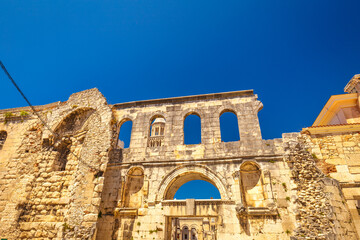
(71,179)
(321,209)
(338,155)
(166,167)
(39,199)
(209,108)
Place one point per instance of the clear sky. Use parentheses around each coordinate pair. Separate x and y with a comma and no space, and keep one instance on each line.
(294,54)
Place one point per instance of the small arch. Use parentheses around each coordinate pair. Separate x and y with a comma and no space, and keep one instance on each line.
(229,126)
(3,136)
(192,128)
(252,184)
(193,233)
(125,129)
(134,182)
(246,165)
(157,119)
(185,233)
(135,170)
(156,131)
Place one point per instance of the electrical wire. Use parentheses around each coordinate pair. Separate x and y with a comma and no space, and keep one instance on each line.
(23,95)
(31,106)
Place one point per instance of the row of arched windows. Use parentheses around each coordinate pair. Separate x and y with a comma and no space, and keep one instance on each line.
(229,129)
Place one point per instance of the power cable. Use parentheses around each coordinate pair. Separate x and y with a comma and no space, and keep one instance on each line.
(41,119)
(28,102)
(32,107)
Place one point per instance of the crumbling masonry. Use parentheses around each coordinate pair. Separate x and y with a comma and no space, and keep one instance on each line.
(77,181)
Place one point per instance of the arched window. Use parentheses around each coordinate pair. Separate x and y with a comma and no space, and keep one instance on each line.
(3,136)
(197,189)
(157,131)
(229,127)
(192,129)
(193,234)
(185,233)
(125,134)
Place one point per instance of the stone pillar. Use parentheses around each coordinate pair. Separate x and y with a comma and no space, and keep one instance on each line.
(190,207)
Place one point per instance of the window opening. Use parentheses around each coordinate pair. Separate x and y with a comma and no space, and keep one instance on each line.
(192,129)
(3,136)
(63,150)
(185,232)
(125,134)
(157,131)
(193,232)
(229,127)
(197,189)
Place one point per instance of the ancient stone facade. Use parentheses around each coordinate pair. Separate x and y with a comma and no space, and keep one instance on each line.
(69,177)
(52,179)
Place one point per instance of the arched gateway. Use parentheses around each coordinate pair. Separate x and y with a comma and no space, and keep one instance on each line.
(185,173)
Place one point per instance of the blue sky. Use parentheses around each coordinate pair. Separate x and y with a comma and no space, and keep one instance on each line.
(294,54)
(204,190)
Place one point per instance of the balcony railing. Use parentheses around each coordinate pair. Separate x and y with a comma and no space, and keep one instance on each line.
(155,141)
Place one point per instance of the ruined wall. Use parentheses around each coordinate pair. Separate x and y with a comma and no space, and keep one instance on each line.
(51,181)
(338,155)
(321,209)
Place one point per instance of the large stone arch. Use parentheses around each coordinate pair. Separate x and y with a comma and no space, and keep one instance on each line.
(61,122)
(185,173)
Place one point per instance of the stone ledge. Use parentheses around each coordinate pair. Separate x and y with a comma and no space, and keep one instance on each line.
(125,212)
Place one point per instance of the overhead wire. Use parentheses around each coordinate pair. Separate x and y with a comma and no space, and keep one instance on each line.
(43,122)
(32,107)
